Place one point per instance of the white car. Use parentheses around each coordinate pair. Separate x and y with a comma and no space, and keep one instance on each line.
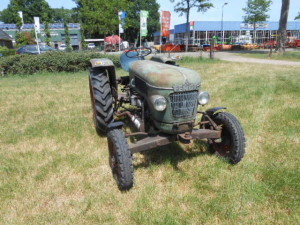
(62,47)
(91,46)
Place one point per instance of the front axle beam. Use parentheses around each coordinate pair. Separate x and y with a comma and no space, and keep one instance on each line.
(164,139)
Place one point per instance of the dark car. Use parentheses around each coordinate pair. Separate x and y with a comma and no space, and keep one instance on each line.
(33,50)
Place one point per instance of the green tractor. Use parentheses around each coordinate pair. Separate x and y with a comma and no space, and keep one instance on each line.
(161,101)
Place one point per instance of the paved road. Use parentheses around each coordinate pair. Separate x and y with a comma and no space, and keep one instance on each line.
(230,56)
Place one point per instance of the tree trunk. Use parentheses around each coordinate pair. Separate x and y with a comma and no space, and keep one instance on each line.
(212,46)
(187,30)
(282,25)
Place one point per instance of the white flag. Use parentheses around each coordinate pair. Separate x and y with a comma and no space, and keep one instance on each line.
(143,22)
(37,24)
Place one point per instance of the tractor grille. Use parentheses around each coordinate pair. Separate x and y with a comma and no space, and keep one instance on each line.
(184,104)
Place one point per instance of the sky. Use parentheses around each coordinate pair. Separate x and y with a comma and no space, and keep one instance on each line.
(232,11)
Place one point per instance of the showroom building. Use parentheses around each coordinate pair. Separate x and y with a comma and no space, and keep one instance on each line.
(233,32)
(57,33)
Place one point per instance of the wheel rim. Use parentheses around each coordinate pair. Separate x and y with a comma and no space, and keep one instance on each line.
(223,146)
(113,163)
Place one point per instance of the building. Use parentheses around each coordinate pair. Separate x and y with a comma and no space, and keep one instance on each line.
(5,40)
(57,33)
(233,32)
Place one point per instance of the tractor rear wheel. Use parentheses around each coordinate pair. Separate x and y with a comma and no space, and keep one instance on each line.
(102,101)
(120,159)
(231,145)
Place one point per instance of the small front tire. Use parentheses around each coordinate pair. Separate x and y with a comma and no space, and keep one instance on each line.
(120,159)
(231,145)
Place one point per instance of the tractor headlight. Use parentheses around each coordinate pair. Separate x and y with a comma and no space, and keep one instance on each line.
(203,98)
(159,102)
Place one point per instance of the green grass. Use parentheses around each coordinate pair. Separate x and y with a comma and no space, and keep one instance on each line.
(54,168)
(288,55)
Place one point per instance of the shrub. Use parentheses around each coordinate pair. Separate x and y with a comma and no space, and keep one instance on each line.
(25,38)
(51,62)
(4,51)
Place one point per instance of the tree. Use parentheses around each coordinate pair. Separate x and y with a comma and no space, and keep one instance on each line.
(282,25)
(59,15)
(8,15)
(30,9)
(256,11)
(67,37)
(83,43)
(25,38)
(184,7)
(298,17)
(100,17)
(47,33)
(132,20)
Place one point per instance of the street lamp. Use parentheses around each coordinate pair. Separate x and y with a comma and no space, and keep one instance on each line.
(222,24)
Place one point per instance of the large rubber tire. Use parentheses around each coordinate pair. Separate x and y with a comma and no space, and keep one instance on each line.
(120,159)
(231,145)
(102,102)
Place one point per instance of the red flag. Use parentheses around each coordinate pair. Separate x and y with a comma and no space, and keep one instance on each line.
(192,23)
(165,23)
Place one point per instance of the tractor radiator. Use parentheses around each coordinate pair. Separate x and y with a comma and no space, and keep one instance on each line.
(184,104)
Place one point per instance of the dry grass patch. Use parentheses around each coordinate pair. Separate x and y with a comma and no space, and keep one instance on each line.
(54,168)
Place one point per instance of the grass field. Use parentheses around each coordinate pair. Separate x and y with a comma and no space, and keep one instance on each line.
(288,55)
(54,168)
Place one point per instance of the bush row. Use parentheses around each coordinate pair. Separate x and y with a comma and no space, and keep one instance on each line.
(51,62)
(4,51)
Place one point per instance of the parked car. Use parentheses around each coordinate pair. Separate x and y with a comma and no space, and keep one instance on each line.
(32,49)
(91,46)
(62,47)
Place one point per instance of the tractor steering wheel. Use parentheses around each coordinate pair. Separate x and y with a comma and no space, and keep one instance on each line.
(140,52)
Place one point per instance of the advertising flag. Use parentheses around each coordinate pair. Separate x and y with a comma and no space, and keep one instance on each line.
(122,16)
(143,22)
(192,24)
(37,24)
(165,23)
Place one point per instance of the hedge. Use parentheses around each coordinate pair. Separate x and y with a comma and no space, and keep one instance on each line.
(4,51)
(51,62)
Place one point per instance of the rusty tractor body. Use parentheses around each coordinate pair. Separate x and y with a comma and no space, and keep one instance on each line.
(161,100)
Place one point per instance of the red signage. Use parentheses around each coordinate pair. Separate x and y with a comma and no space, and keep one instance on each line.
(165,23)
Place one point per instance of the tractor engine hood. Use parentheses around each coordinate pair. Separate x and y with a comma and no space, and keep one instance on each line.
(165,76)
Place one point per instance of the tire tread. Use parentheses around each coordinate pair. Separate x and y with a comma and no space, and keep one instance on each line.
(238,136)
(123,157)
(103,101)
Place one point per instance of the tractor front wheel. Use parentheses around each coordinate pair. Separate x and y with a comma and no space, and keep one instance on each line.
(120,159)
(231,145)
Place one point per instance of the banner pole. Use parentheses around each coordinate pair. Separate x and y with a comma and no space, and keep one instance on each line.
(119,17)
(37,41)
(160,37)
(36,29)
(140,30)
(119,39)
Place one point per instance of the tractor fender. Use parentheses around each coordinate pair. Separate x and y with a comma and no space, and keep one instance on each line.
(104,64)
(163,59)
(214,110)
